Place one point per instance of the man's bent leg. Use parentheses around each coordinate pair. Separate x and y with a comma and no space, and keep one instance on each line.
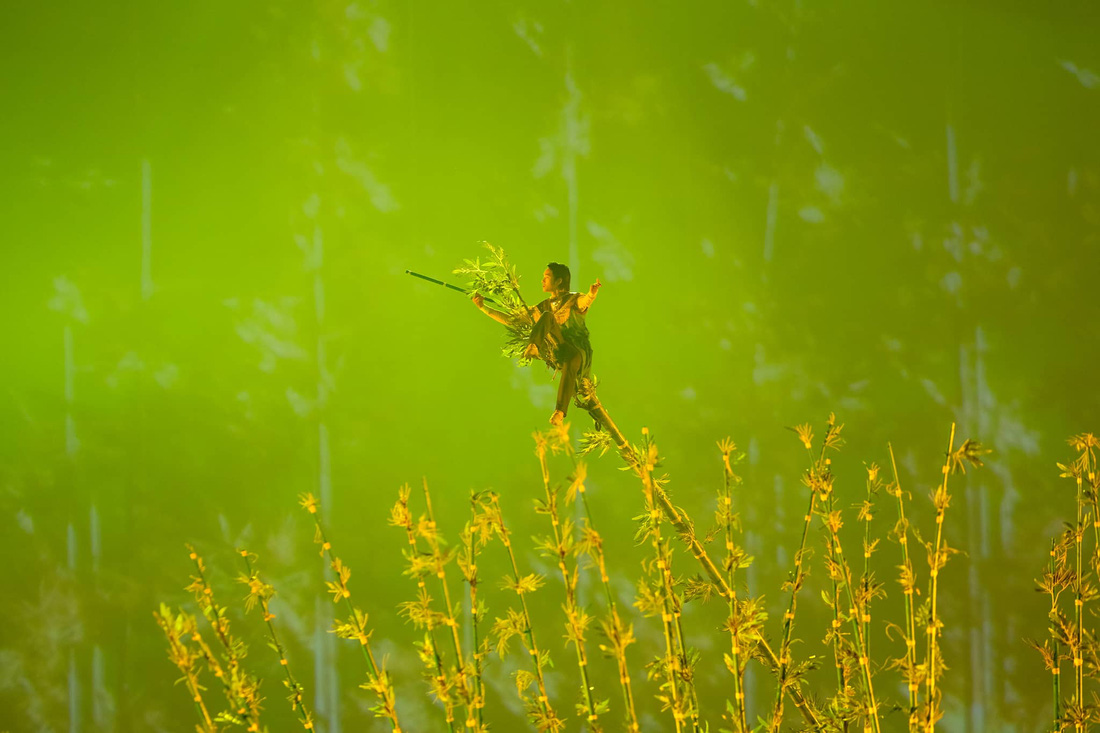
(570,359)
(544,340)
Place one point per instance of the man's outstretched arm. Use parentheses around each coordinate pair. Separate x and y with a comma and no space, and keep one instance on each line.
(584,302)
(496,315)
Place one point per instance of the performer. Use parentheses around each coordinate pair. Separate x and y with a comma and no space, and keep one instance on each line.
(559,335)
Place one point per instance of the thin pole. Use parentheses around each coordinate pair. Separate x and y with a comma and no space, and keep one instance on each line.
(464,291)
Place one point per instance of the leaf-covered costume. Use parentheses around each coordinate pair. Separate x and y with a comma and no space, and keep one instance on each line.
(561,334)
(556,325)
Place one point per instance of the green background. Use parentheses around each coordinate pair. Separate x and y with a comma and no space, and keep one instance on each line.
(886,210)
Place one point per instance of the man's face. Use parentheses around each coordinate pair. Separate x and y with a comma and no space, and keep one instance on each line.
(547,281)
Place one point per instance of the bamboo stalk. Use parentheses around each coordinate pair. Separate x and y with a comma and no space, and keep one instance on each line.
(725,515)
(788,616)
(562,543)
(856,613)
(619,635)
(841,670)
(941,499)
(440,574)
(401,516)
(594,408)
(908,579)
(176,627)
(241,688)
(468,566)
(1056,670)
(262,592)
(356,626)
(543,702)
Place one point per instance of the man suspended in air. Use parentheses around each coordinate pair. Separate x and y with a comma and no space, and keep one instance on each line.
(559,336)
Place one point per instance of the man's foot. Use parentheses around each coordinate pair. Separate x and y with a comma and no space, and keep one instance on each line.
(531,352)
(557,418)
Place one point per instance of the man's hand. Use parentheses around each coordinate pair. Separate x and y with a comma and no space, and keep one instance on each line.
(586,300)
(479,300)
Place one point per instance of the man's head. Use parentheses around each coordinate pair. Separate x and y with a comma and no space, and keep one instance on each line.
(556,277)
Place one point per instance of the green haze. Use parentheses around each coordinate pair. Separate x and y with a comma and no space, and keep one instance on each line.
(888,211)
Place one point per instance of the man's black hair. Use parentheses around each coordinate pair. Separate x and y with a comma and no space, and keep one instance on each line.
(559,271)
